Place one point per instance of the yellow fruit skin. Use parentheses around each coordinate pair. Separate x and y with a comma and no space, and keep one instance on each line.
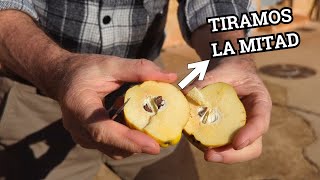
(198,144)
(195,142)
(167,143)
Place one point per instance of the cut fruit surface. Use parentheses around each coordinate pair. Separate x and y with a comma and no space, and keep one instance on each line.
(216,117)
(195,95)
(158,109)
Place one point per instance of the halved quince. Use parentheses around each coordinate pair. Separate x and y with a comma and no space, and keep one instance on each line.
(216,114)
(158,109)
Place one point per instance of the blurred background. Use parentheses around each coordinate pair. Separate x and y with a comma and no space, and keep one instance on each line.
(291,146)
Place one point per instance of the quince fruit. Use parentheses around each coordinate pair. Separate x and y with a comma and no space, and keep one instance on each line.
(216,113)
(157,109)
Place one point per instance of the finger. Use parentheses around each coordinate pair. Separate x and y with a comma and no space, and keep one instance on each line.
(82,138)
(142,70)
(257,121)
(88,143)
(83,141)
(114,153)
(228,155)
(110,133)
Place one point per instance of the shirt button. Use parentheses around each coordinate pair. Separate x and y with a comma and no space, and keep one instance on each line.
(106,20)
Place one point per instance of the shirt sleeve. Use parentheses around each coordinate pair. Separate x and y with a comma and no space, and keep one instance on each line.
(194,13)
(25,6)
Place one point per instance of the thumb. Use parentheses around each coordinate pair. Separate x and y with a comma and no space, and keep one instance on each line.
(142,70)
(106,133)
(109,133)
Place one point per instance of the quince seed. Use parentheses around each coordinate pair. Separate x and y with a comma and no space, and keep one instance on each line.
(159,101)
(147,108)
(202,111)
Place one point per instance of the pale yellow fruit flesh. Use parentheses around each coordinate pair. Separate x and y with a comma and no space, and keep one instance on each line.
(167,124)
(197,97)
(232,116)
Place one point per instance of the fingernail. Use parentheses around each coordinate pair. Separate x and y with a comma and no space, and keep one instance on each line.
(216,158)
(149,148)
(243,145)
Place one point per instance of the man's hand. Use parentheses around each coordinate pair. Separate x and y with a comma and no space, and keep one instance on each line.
(78,82)
(240,72)
(86,80)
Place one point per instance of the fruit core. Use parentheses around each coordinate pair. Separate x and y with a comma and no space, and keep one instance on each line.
(153,104)
(209,116)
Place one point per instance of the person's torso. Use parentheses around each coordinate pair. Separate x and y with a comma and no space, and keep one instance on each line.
(114,27)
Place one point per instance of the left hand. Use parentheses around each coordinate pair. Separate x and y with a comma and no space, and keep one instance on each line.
(240,72)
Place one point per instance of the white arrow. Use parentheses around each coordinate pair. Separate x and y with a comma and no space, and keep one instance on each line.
(200,68)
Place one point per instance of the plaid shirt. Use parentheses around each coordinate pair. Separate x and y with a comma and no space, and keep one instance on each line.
(124,28)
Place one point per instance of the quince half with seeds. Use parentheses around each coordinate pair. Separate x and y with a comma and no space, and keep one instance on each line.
(157,109)
(216,114)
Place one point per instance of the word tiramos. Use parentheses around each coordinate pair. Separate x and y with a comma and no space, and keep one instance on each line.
(258,43)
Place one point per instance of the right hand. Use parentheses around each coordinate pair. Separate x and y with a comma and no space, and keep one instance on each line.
(85,81)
